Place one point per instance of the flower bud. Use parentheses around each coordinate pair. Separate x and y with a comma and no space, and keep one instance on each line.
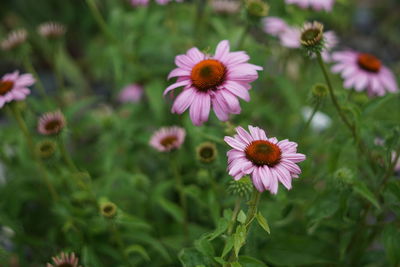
(242,187)
(108,209)
(312,37)
(257,8)
(206,152)
(46,149)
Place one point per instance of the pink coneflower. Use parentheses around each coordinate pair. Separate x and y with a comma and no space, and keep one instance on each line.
(51,123)
(274,26)
(363,71)
(289,36)
(131,93)
(267,160)
(318,5)
(14,87)
(212,80)
(225,6)
(14,39)
(168,138)
(64,260)
(51,30)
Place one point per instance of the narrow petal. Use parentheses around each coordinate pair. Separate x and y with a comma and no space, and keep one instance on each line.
(176,85)
(183,101)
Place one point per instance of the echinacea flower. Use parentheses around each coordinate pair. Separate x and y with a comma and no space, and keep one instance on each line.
(267,160)
(207,152)
(212,81)
(168,138)
(290,36)
(317,5)
(14,87)
(363,71)
(51,30)
(131,93)
(14,39)
(64,260)
(51,123)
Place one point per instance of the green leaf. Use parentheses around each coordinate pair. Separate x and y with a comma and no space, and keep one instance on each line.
(228,246)
(205,247)
(263,222)
(221,228)
(239,238)
(241,217)
(235,264)
(190,257)
(248,261)
(391,241)
(137,249)
(171,208)
(361,189)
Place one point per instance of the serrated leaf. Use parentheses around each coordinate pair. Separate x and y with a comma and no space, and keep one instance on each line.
(241,217)
(263,222)
(239,238)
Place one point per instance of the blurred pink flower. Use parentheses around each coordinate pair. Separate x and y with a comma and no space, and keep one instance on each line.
(51,29)
(146,2)
(14,39)
(363,71)
(131,93)
(212,80)
(51,123)
(274,26)
(14,87)
(225,6)
(318,5)
(168,138)
(267,160)
(64,260)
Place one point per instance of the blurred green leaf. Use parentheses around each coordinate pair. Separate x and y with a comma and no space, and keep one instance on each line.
(263,222)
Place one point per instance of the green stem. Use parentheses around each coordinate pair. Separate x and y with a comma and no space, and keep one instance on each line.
(42,170)
(66,156)
(309,120)
(29,67)
(234,215)
(198,21)
(243,36)
(120,243)
(100,20)
(182,197)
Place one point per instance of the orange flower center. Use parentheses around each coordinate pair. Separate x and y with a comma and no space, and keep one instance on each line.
(168,141)
(369,62)
(262,152)
(5,87)
(208,74)
(53,125)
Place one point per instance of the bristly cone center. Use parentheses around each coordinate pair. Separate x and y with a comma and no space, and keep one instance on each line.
(263,152)
(208,74)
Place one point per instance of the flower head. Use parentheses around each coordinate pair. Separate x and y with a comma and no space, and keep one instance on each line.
(168,138)
(364,72)
(131,93)
(257,8)
(312,35)
(65,260)
(207,152)
(274,26)
(51,30)
(318,5)
(212,81)
(146,2)
(267,160)
(51,123)
(14,39)
(46,148)
(14,87)
(108,209)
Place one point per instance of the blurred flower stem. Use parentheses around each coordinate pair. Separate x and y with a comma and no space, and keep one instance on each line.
(42,170)
(65,154)
(100,20)
(234,215)
(182,197)
(199,20)
(243,36)
(118,239)
(309,120)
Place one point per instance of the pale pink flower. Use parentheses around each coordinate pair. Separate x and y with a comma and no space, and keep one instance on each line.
(168,138)
(267,160)
(131,93)
(64,260)
(14,39)
(225,6)
(51,123)
(363,71)
(14,87)
(318,5)
(146,2)
(212,81)
(51,29)
(274,26)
